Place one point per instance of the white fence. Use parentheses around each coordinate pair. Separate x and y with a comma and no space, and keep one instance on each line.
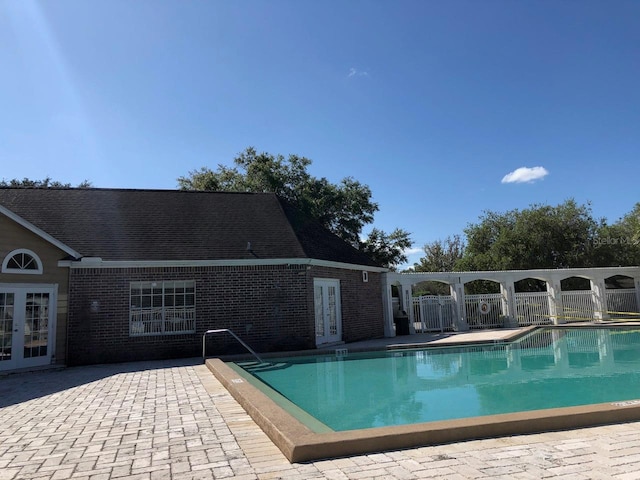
(578,305)
(532,308)
(484,310)
(622,303)
(433,313)
(436,313)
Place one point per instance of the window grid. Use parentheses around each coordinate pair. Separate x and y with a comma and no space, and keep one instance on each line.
(6,325)
(22,261)
(162,308)
(36,325)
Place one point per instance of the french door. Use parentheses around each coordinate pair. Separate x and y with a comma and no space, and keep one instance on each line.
(328,313)
(27,325)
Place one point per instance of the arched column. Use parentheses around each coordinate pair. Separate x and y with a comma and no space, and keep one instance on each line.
(599,298)
(556,310)
(406,304)
(457,294)
(507,290)
(387,305)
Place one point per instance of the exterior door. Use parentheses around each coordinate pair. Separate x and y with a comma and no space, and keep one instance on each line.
(327,311)
(27,326)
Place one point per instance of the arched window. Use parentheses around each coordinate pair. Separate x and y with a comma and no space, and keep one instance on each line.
(22,261)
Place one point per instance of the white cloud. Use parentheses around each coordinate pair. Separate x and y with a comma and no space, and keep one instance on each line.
(525,175)
(354,72)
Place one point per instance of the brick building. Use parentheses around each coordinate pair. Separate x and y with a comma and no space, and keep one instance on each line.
(102,275)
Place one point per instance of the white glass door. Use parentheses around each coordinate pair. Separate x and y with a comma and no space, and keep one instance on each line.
(27,320)
(328,313)
(7,305)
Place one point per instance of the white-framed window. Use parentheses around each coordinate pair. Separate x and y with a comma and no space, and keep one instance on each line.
(22,261)
(162,308)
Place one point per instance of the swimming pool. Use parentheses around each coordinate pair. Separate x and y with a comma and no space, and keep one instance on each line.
(552,378)
(546,369)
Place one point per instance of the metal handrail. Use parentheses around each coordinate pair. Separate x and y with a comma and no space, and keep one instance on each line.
(222,330)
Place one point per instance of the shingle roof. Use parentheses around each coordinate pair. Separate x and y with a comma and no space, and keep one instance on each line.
(177,225)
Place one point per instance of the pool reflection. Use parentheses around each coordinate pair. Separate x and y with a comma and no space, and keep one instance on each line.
(550,368)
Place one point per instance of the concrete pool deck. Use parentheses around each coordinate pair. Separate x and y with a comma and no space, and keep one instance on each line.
(461,338)
(438,339)
(174,420)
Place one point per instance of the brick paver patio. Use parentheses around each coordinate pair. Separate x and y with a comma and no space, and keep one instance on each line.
(173,420)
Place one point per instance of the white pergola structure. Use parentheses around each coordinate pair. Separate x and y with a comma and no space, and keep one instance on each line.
(506,279)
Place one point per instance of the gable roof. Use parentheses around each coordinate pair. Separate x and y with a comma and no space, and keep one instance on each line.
(157,225)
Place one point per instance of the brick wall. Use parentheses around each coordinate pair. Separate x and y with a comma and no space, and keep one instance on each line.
(269,307)
(362,313)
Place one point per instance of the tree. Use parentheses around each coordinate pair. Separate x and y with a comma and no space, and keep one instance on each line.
(632,219)
(541,236)
(619,243)
(343,208)
(387,249)
(44,183)
(441,255)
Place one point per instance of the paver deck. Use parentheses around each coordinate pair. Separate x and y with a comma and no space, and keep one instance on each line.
(174,420)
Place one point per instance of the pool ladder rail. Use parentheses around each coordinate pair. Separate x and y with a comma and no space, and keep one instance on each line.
(223,330)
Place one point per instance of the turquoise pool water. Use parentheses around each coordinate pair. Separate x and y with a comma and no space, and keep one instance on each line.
(546,369)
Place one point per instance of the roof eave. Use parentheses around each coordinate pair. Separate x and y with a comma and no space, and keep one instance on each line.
(39,232)
(95,262)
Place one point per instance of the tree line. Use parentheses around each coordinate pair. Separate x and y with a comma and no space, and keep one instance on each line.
(538,237)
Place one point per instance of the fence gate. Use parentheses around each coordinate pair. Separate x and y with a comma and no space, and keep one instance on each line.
(433,313)
(532,308)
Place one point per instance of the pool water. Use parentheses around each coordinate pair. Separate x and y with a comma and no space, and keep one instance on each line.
(548,368)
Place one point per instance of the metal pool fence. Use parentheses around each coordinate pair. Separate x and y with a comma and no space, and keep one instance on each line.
(532,308)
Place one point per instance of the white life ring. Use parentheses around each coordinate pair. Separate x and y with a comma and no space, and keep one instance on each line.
(485,308)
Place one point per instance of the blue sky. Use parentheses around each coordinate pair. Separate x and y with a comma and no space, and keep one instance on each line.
(432,104)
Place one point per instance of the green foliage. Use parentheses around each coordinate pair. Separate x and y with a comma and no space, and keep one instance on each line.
(441,255)
(530,285)
(481,286)
(387,249)
(619,243)
(431,288)
(575,283)
(632,220)
(343,208)
(541,236)
(44,183)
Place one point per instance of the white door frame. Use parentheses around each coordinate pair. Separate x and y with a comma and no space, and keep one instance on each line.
(328,310)
(19,331)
